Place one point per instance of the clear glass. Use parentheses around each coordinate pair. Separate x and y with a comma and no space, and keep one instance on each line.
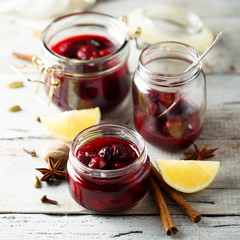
(169,104)
(102,82)
(114,189)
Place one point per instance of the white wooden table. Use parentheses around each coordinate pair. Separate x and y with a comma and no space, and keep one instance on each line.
(23,216)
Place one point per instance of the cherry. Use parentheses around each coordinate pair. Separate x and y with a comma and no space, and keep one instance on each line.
(167,98)
(120,153)
(155,109)
(104,52)
(98,163)
(90,154)
(106,153)
(103,90)
(87,52)
(83,157)
(110,194)
(65,49)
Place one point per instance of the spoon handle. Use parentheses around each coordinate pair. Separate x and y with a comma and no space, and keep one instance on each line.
(206,52)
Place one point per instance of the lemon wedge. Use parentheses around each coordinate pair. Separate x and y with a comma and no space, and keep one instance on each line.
(66,125)
(188,176)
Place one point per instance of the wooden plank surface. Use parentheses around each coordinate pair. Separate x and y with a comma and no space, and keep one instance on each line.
(223,192)
(18,34)
(219,203)
(112,227)
(221,122)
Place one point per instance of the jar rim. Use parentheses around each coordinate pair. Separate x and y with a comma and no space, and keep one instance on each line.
(166,80)
(110,173)
(79,61)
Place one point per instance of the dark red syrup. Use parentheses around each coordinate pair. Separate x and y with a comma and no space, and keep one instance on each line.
(84,47)
(107,153)
(106,89)
(173,131)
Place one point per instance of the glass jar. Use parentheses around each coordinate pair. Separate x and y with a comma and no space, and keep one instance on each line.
(169,104)
(114,189)
(103,81)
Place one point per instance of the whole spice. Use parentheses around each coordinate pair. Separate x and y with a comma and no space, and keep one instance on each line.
(23,56)
(15,84)
(37,34)
(35,181)
(38,119)
(56,151)
(162,208)
(174,195)
(205,153)
(14,108)
(33,152)
(54,171)
(44,199)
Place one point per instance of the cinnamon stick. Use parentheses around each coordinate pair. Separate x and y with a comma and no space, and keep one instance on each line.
(174,195)
(23,56)
(168,223)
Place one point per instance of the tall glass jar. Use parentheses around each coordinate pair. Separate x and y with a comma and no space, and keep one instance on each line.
(108,190)
(169,104)
(102,81)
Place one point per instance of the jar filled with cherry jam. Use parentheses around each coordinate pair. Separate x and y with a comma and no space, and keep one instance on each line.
(169,103)
(88,52)
(108,168)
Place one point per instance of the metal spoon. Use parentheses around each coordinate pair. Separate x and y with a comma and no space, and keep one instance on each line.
(206,52)
(191,66)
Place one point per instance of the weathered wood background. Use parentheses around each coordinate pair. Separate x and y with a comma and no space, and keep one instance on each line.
(23,216)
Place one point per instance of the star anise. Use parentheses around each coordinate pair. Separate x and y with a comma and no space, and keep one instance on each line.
(53,172)
(205,153)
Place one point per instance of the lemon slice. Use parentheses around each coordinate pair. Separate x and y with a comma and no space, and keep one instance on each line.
(188,176)
(68,124)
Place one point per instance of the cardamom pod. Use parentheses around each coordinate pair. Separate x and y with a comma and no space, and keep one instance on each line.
(14,108)
(35,181)
(15,84)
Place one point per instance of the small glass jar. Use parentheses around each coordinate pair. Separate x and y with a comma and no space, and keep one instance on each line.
(103,81)
(169,104)
(108,190)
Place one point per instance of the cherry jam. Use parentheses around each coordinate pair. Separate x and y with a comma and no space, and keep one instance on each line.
(108,173)
(88,53)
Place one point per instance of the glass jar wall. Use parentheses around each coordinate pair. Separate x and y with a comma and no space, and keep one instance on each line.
(120,180)
(99,79)
(169,104)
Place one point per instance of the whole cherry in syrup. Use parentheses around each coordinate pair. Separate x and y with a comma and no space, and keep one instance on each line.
(101,78)
(174,130)
(107,153)
(84,47)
